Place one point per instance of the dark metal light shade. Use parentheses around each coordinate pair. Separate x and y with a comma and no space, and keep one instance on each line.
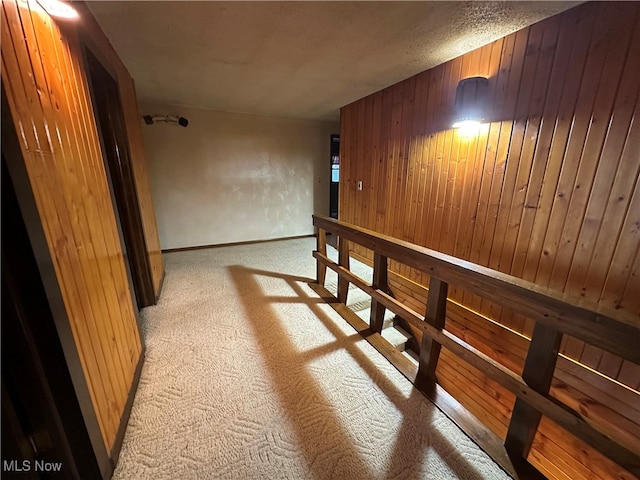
(471,100)
(151,119)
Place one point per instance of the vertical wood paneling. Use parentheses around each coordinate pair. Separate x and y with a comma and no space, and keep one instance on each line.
(43,75)
(376,158)
(548,191)
(100,46)
(420,151)
(134,133)
(367,155)
(41,112)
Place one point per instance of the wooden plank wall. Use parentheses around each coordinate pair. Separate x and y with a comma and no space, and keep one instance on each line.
(46,85)
(547,191)
(94,37)
(134,133)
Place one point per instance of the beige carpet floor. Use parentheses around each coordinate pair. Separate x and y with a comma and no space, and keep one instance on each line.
(249,375)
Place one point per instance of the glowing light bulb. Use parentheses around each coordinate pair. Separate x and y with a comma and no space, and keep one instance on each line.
(467,128)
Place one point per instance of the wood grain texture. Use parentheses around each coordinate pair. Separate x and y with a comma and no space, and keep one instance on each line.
(544,347)
(548,192)
(95,39)
(436,316)
(133,125)
(486,439)
(380,282)
(539,367)
(321,247)
(613,330)
(46,85)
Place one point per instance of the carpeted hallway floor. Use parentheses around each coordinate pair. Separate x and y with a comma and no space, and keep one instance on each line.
(249,375)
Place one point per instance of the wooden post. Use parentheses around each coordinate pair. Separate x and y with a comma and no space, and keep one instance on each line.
(321,247)
(430,349)
(343,261)
(538,374)
(380,281)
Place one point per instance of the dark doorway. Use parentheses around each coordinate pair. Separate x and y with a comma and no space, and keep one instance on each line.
(42,423)
(120,175)
(335,176)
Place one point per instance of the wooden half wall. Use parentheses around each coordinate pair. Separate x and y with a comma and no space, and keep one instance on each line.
(46,83)
(547,191)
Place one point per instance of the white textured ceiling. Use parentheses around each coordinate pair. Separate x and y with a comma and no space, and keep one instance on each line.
(295,59)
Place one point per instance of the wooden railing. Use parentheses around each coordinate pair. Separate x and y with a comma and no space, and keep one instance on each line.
(555,314)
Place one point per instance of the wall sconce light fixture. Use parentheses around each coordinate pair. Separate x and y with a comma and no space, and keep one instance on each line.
(471,104)
(151,119)
(58,9)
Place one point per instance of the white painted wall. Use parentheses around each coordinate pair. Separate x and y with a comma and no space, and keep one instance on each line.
(231,177)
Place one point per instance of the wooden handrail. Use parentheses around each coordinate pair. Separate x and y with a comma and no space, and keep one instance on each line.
(554,312)
(613,330)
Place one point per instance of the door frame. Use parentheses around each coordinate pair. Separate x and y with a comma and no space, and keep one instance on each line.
(109,117)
